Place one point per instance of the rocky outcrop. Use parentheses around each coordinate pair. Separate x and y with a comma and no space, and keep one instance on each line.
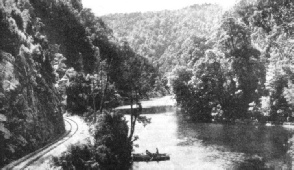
(30,114)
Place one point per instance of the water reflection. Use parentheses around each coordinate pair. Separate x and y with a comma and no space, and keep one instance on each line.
(212,146)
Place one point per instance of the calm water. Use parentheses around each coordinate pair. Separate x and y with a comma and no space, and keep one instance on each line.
(211,146)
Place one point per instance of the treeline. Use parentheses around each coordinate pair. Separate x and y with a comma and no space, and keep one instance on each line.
(161,36)
(245,70)
(56,55)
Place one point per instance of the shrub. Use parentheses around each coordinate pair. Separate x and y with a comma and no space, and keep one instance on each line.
(111,149)
(77,157)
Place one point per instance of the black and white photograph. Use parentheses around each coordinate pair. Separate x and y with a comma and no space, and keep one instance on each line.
(147,84)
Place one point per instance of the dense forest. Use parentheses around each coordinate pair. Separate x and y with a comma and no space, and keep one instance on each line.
(247,72)
(223,65)
(166,38)
(57,56)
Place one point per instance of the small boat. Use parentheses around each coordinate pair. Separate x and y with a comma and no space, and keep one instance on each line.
(154,157)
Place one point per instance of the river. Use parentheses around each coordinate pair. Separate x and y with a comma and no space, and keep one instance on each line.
(204,146)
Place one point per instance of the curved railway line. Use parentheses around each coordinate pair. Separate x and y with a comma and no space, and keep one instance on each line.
(27,160)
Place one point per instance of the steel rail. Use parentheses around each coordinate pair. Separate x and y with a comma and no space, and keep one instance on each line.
(50,146)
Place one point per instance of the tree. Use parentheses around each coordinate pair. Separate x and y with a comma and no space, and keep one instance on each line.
(248,70)
(271,23)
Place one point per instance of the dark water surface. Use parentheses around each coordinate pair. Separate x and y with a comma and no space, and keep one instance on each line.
(212,146)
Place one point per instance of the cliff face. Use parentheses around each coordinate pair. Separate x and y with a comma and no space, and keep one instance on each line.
(30,114)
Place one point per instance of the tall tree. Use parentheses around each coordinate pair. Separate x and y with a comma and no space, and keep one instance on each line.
(248,70)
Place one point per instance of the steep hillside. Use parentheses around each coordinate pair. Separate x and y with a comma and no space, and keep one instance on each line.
(30,115)
(158,35)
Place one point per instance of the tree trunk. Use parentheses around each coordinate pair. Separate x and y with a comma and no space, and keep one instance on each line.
(94,108)
(132,118)
(103,91)
(103,94)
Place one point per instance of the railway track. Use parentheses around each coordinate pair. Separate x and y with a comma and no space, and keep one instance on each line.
(29,159)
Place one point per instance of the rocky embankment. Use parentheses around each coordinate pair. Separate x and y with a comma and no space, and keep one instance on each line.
(30,115)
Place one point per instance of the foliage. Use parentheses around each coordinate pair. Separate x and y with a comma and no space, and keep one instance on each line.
(271,22)
(78,94)
(179,79)
(227,74)
(77,157)
(247,68)
(112,146)
(253,49)
(30,112)
(160,36)
(56,53)
(111,149)
(107,70)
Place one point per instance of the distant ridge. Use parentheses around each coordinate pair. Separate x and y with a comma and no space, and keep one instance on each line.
(158,35)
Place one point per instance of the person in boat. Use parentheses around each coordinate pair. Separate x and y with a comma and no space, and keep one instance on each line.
(148,153)
(157,152)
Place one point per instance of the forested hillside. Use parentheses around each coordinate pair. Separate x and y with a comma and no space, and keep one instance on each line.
(166,38)
(246,72)
(235,65)
(57,56)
